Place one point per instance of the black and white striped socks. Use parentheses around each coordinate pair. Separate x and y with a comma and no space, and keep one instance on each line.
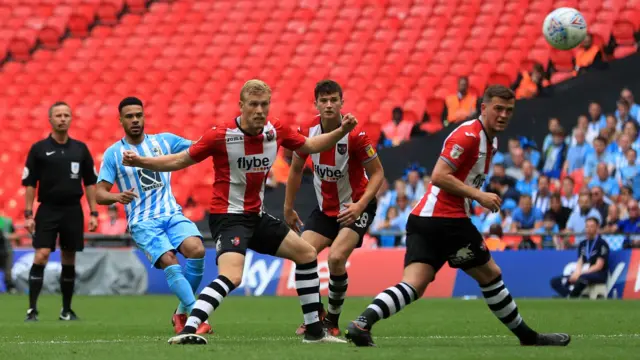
(308,288)
(504,308)
(388,302)
(337,292)
(209,299)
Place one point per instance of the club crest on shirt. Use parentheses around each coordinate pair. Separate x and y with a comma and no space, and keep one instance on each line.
(456,151)
(235,241)
(156,151)
(342,149)
(270,135)
(75,169)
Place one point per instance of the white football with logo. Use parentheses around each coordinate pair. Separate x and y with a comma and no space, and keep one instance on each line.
(564,28)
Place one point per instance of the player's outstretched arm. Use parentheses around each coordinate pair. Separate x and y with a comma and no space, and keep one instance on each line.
(104,196)
(443,178)
(293,185)
(163,163)
(325,142)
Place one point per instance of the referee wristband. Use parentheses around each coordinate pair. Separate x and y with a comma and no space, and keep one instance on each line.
(94,213)
(28,214)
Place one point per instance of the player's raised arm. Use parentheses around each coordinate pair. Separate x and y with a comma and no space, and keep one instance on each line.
(163,163)
(324,142)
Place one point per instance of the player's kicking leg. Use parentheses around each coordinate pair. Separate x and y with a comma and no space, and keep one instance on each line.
(193,250)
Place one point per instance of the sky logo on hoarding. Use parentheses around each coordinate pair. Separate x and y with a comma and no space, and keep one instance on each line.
(260,271)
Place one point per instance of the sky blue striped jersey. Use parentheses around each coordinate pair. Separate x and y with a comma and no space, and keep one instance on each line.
(155,198)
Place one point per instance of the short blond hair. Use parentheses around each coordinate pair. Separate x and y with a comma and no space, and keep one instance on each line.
(254,87)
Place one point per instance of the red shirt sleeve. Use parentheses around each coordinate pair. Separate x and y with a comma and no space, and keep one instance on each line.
(458,148)
(361,147)
(288,137)
(304,131)
(205,146)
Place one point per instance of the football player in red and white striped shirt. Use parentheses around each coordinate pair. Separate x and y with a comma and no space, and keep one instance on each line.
(243,150)
(439,229)
(346,196)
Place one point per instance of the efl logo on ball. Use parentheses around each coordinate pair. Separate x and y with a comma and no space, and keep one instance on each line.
(564,28)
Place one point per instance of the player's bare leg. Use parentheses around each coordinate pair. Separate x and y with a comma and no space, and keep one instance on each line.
(36,278)
(307,286)
(414,282)
(230,269)
(319,242)
(502,305)
(339,253)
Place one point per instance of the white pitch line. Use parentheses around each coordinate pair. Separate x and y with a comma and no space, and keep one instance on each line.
(214,338)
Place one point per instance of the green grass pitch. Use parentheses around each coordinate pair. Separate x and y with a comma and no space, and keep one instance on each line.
(119,328)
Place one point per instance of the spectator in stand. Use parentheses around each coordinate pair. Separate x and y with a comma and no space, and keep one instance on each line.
(626,195)
(515,169)
(631,225)
(529,85)
(526,218)
(494,240)
(555,155)
(461,106)
(630,129)
(531,152)
(548,232)
(507,209)
(389,228)
(627,173)
(559,212)
(499,171)
(542,195)
(577,221)
(404,208)
(595,253)
(607,183)
(634,109)
(622,114)
(397,130)
(597,121)
(618,151)
(588,56)
(8,237)
(610,132)
(529,182)
(114,224)
(578,152)
(612,220)
(599,155)
(600,202)
(553,126)
(581,124)
(569,197)
(501,186)
(513,145)
(414,186)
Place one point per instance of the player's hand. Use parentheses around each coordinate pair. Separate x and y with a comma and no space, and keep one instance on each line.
(30,225)
(293,220)
(573,278)
(93,223)
(490,201)
(130,158)
(126,197)
(350,214)
(349,123)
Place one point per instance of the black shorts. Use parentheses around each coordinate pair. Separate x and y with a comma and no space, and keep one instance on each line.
(435,241)
(329,227)
(239,232)
(66,221)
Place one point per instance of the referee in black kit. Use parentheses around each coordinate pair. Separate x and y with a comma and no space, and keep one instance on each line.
(58,163)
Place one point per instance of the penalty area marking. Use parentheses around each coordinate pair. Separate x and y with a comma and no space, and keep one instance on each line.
(214,338)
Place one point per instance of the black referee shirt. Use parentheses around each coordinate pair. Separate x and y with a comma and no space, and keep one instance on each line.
(59,169)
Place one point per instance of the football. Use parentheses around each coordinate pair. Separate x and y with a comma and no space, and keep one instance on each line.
(564,28)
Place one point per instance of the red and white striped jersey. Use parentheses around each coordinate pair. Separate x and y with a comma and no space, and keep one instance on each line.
(339,176)
(242,162)
(468,151)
